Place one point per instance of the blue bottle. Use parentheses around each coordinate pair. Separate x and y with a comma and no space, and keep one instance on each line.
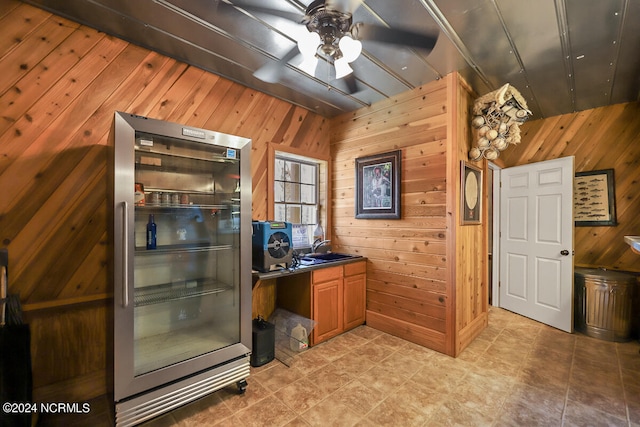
(151,233)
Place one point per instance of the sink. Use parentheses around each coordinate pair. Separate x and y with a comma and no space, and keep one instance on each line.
(324,258)
(331,256)
(634,242)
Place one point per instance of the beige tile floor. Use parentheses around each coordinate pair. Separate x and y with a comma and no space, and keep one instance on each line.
(516,373)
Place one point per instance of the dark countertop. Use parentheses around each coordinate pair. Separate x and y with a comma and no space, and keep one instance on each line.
(305,268)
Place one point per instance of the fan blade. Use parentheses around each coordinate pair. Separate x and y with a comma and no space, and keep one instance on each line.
(271,72)
(362,31)
(347,6)
(249,7)
(352,83)
(278,245)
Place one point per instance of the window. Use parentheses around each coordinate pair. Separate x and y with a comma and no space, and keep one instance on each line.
(300,193)
(296,192)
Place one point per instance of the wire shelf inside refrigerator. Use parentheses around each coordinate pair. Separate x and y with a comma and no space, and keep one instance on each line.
(172,292)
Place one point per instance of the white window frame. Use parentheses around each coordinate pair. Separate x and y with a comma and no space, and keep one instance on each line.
(289,189)
(322,182)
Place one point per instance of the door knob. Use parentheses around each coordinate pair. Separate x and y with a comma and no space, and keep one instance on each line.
(564,252)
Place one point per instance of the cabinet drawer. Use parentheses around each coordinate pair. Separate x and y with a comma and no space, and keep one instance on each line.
(325,274)
(355,268)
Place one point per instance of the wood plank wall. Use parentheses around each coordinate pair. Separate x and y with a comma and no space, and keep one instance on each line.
(600,138)
(411,271)
(469,260)
(61,83)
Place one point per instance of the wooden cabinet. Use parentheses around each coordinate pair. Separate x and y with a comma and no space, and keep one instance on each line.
(334,297)
(328,302)
(354,294)
(339,299)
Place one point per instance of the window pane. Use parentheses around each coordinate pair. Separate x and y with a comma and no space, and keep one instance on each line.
(307,174)
(292,172)
(293,214)
(278,194)
(308,194)
(309,214)
(280,213)
(292,192)
(279,170)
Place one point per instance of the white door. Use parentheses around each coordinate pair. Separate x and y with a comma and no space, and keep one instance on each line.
(536,241)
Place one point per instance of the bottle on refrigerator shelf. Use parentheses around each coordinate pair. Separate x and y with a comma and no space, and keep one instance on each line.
(138,195)
(151,233)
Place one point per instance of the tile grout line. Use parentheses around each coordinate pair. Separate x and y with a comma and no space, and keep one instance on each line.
(568,385)
(624,388)
(499,411)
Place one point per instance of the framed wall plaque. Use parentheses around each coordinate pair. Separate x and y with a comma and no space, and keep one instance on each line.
(470,194)
(594,199)
(378,186)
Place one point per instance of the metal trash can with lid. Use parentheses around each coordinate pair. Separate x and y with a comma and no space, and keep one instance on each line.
(604,303)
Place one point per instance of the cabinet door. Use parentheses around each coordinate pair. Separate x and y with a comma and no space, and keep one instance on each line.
(354,301)
(355,295)
(327,310)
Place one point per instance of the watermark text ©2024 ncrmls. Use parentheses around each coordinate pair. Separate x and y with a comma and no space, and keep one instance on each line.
(46,407)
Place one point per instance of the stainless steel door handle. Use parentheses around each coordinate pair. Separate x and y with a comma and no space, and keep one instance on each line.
(125,254)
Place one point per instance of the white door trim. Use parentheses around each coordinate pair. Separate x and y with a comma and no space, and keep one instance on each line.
(495,250)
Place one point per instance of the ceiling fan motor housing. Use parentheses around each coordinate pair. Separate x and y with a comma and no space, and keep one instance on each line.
(330,24)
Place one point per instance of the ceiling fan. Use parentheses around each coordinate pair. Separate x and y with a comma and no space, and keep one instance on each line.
(333,35)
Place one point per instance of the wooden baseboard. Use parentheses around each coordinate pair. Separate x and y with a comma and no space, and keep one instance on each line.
(415,333)
(467,334)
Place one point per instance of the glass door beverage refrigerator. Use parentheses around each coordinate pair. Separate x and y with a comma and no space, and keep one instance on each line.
(182,270)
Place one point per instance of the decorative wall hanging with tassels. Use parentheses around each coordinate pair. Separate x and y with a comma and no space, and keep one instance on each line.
(497,117)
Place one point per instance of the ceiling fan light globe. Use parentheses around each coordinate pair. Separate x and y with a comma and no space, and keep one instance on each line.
(309,65)
(342,68)
(350,48)
(308,44)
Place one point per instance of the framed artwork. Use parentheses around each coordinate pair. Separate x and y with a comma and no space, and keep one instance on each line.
(594,199)
(470,194)
(378,186)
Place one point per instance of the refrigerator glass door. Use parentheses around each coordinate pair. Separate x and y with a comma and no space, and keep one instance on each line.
(186,291)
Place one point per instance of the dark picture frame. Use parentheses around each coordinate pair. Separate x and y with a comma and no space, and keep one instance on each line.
(594,198)
(471,195)
(378,186)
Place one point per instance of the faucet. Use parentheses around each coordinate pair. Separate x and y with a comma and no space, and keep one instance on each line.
(317,244)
